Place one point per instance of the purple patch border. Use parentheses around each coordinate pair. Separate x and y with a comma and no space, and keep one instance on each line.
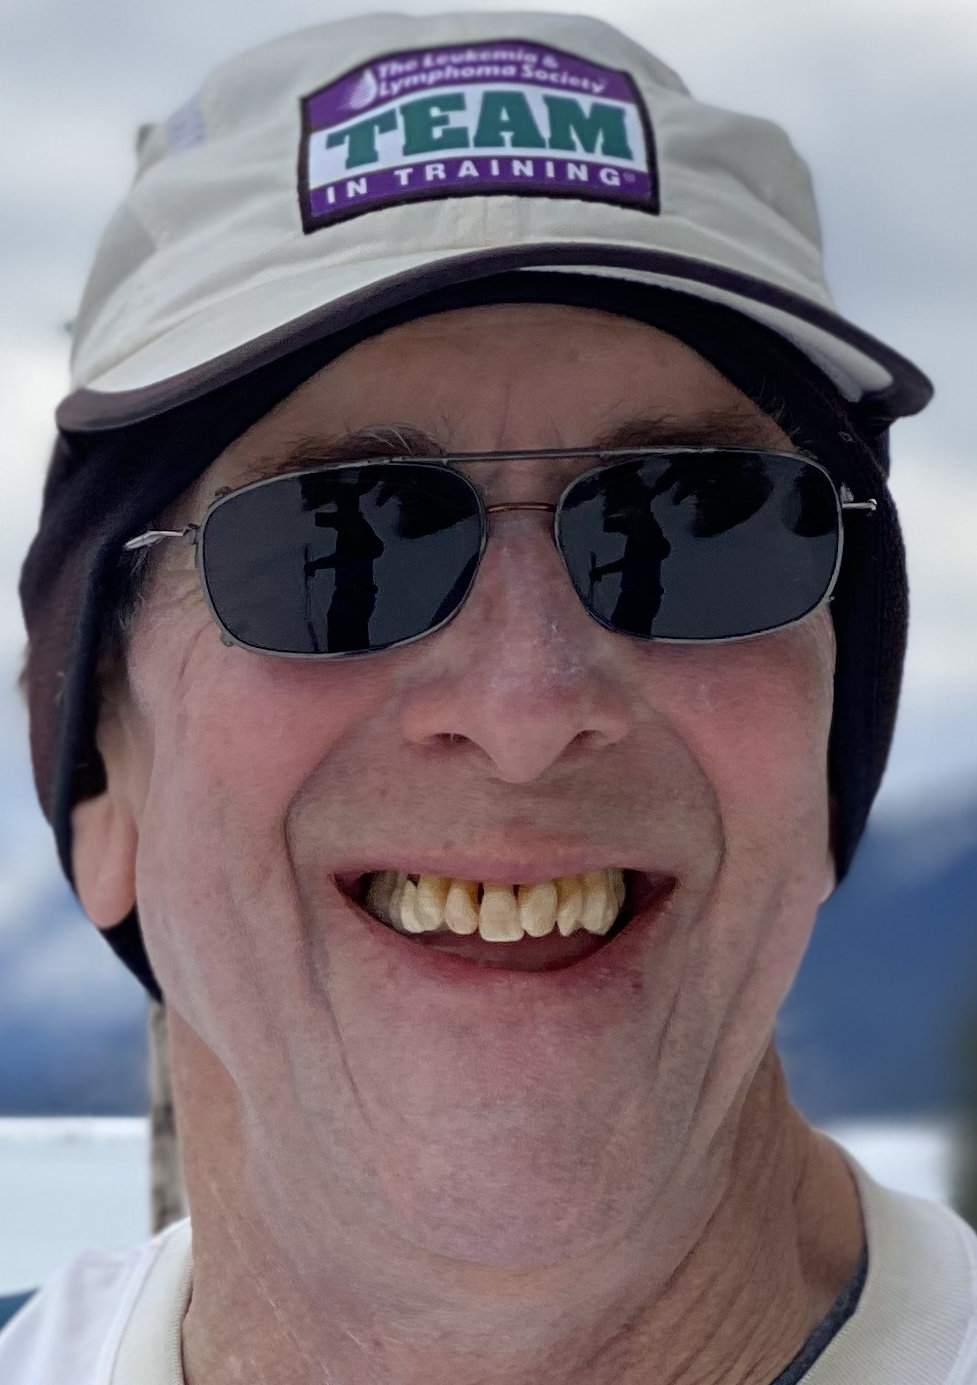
(311,221)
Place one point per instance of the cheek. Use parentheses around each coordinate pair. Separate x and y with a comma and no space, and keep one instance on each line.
(238,724)
(757,716)
(236,738)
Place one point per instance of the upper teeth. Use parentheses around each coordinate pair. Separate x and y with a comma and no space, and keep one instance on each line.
(499,913)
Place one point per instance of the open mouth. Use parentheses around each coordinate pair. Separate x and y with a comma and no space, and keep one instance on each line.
(542,925)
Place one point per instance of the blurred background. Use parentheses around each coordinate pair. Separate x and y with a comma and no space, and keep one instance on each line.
(880,96)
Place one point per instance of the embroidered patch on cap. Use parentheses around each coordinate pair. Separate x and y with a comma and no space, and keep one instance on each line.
(502,117)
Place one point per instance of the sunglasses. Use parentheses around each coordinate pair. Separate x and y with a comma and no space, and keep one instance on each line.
(677,544)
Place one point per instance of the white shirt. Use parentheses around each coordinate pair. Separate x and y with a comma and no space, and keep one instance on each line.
(115,1318)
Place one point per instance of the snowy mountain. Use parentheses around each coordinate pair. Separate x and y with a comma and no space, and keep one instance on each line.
(72,1020)
(882,1019)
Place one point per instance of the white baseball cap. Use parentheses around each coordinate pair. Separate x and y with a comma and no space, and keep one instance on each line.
(354,166)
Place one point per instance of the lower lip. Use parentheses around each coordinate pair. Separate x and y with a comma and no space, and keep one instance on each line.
(551,961)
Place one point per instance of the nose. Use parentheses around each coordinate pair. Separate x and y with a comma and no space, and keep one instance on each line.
(523,677)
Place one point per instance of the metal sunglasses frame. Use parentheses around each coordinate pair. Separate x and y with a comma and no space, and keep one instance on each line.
(192,534)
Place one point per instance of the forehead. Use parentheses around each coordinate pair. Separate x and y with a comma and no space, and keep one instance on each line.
(510,376)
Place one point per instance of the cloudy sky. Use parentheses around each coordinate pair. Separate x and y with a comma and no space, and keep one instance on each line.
(879,95)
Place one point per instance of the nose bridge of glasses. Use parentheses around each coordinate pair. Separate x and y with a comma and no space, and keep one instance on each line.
(535,476)
(507,505)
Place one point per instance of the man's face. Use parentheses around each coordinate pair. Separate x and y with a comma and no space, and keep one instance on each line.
(511,1110)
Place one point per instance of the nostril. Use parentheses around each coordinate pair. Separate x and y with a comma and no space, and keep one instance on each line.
(592,740)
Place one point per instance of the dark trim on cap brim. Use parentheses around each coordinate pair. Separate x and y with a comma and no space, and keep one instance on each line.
(88,410)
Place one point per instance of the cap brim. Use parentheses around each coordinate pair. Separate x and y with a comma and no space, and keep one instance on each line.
(263,322)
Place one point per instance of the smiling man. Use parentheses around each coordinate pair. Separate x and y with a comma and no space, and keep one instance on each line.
(466,627)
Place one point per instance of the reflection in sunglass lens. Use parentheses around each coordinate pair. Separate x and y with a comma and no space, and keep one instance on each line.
(690,547)
(344,559)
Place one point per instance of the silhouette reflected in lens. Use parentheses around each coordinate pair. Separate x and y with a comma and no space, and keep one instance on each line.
(354,596)
(627,511)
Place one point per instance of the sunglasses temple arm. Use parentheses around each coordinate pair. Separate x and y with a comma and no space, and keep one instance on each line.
(848,501)
(155,536)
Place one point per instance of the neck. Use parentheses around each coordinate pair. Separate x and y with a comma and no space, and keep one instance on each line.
(720,1281)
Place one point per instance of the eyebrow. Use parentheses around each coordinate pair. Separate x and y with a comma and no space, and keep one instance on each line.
(734,427)
(391,440)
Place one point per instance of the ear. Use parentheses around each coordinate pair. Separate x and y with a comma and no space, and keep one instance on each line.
(103,858)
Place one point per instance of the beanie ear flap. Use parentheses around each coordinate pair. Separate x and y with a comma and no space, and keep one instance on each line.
(126,941)
(870,609)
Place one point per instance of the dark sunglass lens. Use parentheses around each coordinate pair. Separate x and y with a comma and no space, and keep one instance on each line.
(344,559)
(701,547)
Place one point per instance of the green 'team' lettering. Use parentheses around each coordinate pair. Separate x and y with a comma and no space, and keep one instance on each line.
(606,123)
(427,128)
(361,139)
(507,113)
